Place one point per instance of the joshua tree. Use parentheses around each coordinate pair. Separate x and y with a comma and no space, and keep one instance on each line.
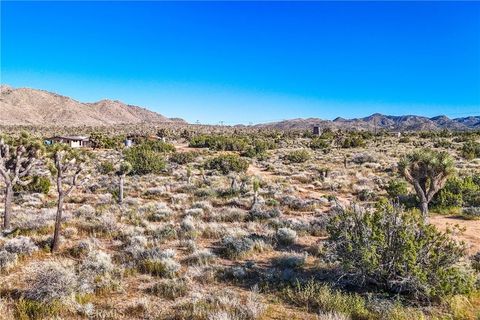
(233,182)
(427,171)
(256,187)
(17,158)
(204,177)
(67,167)
(189,174)
(124,169)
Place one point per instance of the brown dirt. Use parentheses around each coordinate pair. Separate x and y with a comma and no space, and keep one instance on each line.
(472,230)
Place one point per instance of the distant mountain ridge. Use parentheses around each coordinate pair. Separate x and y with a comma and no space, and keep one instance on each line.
(379,121)
(25,106)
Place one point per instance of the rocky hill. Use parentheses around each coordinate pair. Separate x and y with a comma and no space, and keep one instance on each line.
(24,106)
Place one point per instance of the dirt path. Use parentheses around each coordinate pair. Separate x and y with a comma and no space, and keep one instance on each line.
(471,235)
(183,147)
(255,170)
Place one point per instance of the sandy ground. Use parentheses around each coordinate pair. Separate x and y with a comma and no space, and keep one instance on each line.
(471,235)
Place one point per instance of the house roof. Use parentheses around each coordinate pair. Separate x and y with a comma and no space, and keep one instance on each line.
(76,138)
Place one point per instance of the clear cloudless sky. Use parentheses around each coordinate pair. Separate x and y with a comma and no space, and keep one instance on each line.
(242,62)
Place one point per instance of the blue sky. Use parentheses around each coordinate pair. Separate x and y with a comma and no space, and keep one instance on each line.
(242,62)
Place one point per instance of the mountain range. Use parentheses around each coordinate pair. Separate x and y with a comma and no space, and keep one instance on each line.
(25,106)
(379,121)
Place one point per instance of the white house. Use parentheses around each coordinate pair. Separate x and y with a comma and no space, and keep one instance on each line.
(72,141)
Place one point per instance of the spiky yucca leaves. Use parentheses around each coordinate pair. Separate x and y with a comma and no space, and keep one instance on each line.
(427,171)
(18,155)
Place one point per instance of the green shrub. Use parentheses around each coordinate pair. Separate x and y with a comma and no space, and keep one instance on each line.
(158,146)
(183,157)
(396,188)
(39,184)
(144,160)
(106,167)
(26,309)
(354,141)
(442,143)
(101,140)
(298,156)
(470,150)
(219,142)
(226,163)
(399,252)
(258,149)
(458,192)
(320,143)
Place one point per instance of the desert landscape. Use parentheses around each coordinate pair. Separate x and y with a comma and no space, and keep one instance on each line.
(238,222)
(239,160)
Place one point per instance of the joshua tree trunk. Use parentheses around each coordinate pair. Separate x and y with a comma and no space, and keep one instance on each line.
(58,218)
(234,186)
(424,208)
(58,225)
(255,197)
(120,189)
(8,206)
(422,195)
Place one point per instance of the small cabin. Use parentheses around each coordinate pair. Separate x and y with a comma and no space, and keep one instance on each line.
(317,131)
(72,141)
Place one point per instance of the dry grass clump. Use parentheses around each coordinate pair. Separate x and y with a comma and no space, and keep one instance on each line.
(169,288)
(236,247)
(222,306)
(159,262)
(50,281)
(7,260)
(201,257)
(291,260)
(20,245)
(286,236)
(97,272)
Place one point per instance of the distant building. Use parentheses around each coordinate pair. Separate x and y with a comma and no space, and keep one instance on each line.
(140,138)
(128,142)
(395,134)
(72,141)
(317,131)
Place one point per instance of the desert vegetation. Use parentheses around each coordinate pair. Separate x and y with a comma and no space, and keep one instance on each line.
(240,223)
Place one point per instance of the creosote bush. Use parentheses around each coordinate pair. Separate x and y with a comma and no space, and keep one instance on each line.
(471,150)
(398,251)
(183,157)
(39,184)
(298,156)
(226,163)
(144,160)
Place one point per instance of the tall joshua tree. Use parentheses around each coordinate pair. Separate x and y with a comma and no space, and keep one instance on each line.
(17,158)
(427,171)
(68,167)
(124,169)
